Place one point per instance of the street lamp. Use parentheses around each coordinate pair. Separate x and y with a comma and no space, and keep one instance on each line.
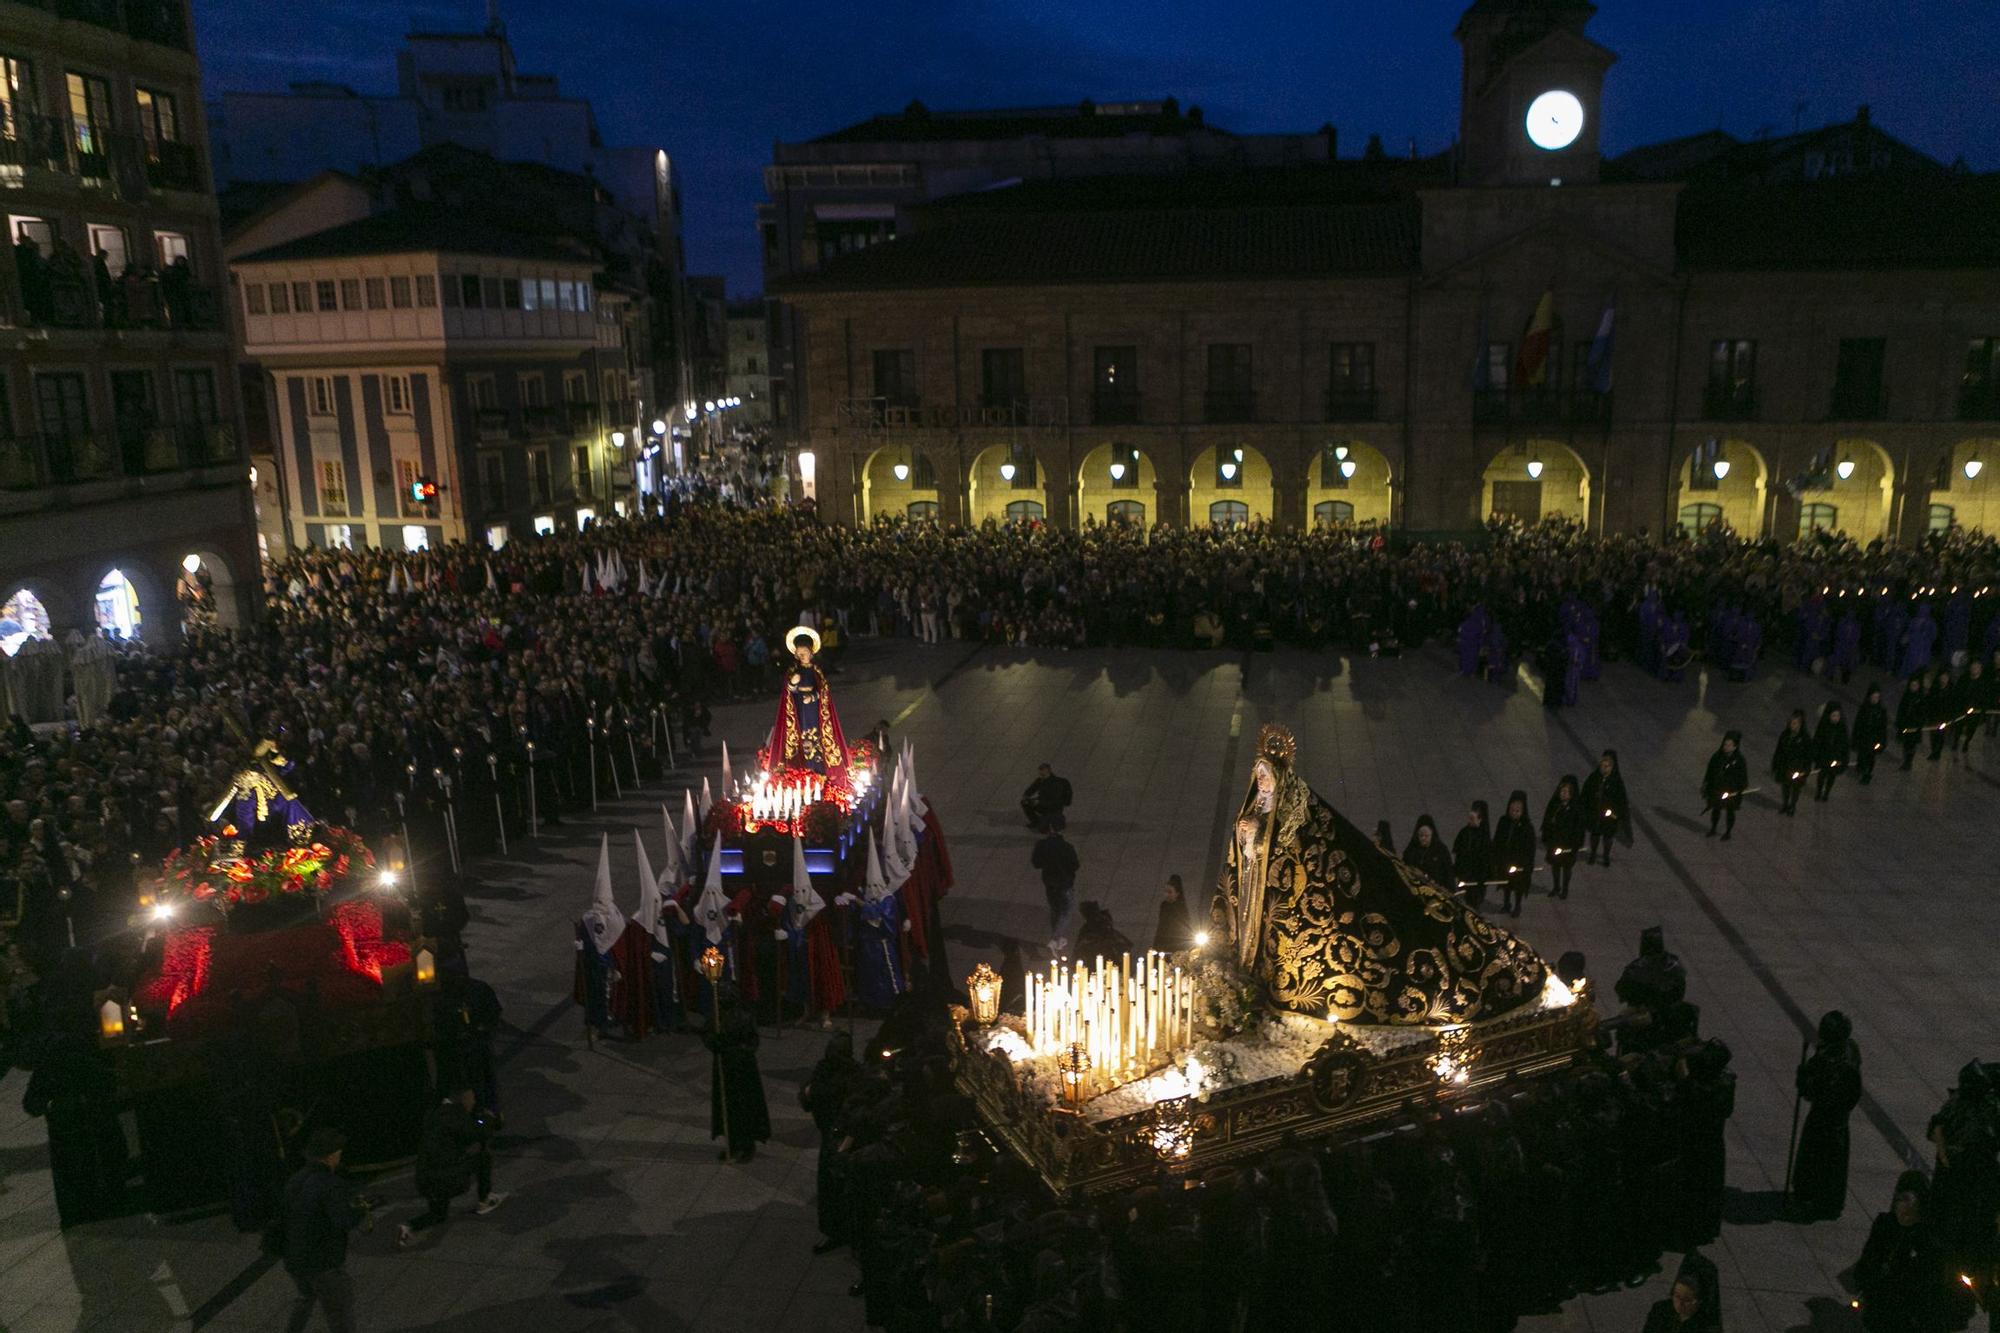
(659,426)
(902,471)
(1844,468)
(1007,470)
(1346,467)
(617,439)
(1117,470)
(1534,469)
(1721,468)
(1972,467)
(708,406)
(1229,471)
(1340,452)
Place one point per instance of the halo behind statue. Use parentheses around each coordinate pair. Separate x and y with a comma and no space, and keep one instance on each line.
(796,632)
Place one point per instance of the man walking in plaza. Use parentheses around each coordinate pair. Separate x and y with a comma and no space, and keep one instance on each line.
(1045,800)
(320,1210)
(1058,864)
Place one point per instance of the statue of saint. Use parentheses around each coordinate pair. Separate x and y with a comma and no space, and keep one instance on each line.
(260,803)
(807,734)
(1335,928)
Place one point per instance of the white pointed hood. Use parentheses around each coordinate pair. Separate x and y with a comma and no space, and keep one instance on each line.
(727,785)
(648,915)
(690,832)
(806,902)
(673,873)
(876,886)
(711,910)
(707,800)
(602,920)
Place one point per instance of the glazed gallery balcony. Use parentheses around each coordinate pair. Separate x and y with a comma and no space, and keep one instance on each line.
(913,414)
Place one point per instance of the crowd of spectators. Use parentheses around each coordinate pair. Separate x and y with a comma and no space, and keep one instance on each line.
(385,674)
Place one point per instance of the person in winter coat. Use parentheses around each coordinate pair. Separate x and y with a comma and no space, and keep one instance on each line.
(1426,852)
(1604,804)
(1472,854)
(1724,782)
(452,1155)
(1831,748)
(1871,733)
(1562,834)
(1830,1083)
(1514,852)
(1791,760)
(1912,711)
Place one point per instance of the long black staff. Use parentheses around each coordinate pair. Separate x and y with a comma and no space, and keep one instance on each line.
(1791,1143)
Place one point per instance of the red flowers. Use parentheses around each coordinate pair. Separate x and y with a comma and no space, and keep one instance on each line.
(195,870)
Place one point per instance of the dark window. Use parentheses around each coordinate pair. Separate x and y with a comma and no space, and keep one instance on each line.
(427,296)
(133,413)
(1230,395)
(350,293)
(1857,379)
(540,479)
(281,303)
(253,299)
(1114,385)
(378,294)
(493,480)
(328,294)
(399,293)
(1024,511)
(194,396)
(1022,461)
(923,474)
(1979,391)
(1350,391)
(510,293)
(1003,377)
(896,376)
(62,404)
(302,297)
(490,289)
(1732,379)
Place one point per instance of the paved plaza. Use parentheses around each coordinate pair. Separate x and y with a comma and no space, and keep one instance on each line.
(620,1217)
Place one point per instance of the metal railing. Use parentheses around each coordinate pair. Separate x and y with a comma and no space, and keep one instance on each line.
(127,163)
(1114,407)
(1858,402)
(1350,403)
(1226,406)
(1729,402)
(59,294)
(492,423)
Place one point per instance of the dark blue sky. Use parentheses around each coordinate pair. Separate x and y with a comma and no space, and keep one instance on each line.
(715,83)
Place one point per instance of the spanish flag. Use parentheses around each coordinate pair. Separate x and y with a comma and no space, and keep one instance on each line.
(1531,366)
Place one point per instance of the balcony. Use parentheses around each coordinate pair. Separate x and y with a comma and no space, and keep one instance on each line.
(32,140)
(1979,400)
(124,164)
(1858,402)
(492,423)
(173,166)
(207,443)
(1729,402)
(542,419)
(61,295)
(1540,406)
(1350,403)
(1114,407)
(1489,407)
(1228,406)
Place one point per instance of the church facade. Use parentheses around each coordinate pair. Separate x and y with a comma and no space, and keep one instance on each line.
(1776,336)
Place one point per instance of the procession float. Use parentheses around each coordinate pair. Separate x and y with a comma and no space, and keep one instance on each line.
(1336,992)
(280,980)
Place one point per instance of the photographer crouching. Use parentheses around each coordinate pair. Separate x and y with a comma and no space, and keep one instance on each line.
(454,1154)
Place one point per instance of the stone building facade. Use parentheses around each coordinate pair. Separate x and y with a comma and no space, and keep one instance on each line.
(121,463)
(1784,345)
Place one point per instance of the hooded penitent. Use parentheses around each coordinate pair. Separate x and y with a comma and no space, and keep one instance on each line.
(602,920)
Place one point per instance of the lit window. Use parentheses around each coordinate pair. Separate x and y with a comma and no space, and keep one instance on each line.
(496,536)
(545,525)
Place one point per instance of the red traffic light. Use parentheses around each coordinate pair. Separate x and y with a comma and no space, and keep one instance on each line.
(424,491)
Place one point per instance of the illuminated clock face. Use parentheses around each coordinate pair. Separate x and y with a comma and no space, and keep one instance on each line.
(1554,120)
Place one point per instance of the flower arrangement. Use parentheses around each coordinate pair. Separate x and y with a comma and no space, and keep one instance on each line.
(1226,1000)
(217,869)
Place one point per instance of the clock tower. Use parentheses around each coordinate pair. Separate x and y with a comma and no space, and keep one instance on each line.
(1530,93)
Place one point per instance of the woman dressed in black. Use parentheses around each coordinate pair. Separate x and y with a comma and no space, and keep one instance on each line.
(1943,711)
(1792,760)
(1901,1273)
(1472,855)
(1174,933)
(1871,733)
(737,1111)
(1722,786)
(1604,804)
(1913,709)
(1830,1083)
(1830,750)
(1562,834)
(1514,852)
(1428,853)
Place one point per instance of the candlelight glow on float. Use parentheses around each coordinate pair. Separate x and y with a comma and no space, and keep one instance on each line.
(1128,1016)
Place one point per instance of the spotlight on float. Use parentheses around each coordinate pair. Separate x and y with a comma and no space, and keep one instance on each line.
(1721,466)
(1973,467)
(902,471)
(1347,467)
(1007,470)
(1117,470)
(1229,471)
(1844,468)
(163,911)
(1534,469)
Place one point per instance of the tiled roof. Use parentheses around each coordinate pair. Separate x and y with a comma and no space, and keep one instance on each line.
(416,230)
(1003,248)
(1863,223)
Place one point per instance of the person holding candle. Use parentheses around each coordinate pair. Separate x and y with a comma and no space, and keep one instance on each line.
(1791,760)
(1604,804)
(1563,823)
(1723,783)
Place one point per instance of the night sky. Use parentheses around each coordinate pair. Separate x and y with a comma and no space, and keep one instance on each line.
(715,83)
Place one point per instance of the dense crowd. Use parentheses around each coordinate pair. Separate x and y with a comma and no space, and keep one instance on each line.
(385,675)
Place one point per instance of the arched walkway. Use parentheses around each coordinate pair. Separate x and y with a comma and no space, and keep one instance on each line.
(1857,504)
(119,613)
(1228,475)
(990,490)
(1348,483)
(1534,480)
(1113,478)
(1968,502)
(884,492)
(22,617)
(1726,484)
(206,590)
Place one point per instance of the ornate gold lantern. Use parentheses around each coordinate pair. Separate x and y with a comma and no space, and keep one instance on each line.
(1074,1065)
(984,988)
(1170,1130)
(710,964)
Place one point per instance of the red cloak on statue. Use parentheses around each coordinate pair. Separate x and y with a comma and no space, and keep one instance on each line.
(807,733)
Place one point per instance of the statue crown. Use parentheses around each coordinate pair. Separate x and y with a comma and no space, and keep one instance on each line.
(1277,744)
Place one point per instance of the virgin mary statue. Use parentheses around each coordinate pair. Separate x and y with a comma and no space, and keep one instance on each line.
(1336,928)
(807,733)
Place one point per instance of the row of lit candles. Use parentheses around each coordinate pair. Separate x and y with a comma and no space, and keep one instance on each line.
(783,798)
(1125,1014)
